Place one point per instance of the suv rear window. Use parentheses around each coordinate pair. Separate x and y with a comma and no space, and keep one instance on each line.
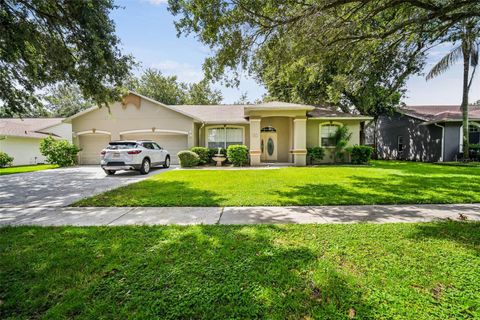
(121,145)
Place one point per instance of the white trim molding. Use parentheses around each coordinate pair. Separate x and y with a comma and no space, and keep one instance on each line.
(93,131)
(224,126)
(335,123)
(153,130)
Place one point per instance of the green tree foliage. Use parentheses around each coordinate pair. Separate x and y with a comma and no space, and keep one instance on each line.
(341,137)
(167,89)
(64,100)
(5,159)
(50,41)
(356,54)
(59,152)
(468,37)
(202,93)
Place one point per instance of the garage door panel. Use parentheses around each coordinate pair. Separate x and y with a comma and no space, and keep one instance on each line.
(171,142)
(92,145)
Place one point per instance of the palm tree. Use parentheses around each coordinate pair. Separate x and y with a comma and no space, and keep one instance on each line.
(468,50)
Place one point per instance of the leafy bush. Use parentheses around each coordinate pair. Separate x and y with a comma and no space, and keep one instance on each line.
(188,158)
(5,159)
(203,154)
(341,136)
(59,152)
(237,154)
(360,154)
(475,146)
(315,154)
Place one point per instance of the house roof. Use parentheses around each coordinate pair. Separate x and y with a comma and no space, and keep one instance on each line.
(27,127)
(225,113)
(439,113)
(322,112)
(278,105)
(238,113)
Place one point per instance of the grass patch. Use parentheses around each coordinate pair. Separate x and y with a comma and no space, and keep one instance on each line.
(459,164)
(389,271)
(22,169)
(384,182)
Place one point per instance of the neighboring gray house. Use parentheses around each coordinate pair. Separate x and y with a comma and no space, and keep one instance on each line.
(425,133)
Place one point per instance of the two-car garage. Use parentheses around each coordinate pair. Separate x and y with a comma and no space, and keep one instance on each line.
(92,144)
(137,118)
(169,141)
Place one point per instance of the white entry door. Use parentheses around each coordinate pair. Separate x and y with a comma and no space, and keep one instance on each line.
(268,146)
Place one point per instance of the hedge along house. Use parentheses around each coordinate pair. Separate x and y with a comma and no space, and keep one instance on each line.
(273,131)
(20,138)
(425,133)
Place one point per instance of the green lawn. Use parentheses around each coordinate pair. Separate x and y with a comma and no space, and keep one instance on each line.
(381,183)
(390,271)
(21,169)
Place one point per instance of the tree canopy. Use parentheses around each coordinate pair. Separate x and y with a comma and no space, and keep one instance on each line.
(51,41)
(357,54)
(167,89)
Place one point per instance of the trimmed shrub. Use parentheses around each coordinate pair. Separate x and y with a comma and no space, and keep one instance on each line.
(360,154)
(5,159)
(237,154)
(203,154)
(315,154)
(59,152)
(188,158)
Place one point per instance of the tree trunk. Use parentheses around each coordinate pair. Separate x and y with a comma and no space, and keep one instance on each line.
(464,107)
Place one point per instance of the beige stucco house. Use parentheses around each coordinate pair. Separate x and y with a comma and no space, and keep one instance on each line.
(20,138)
(273,131)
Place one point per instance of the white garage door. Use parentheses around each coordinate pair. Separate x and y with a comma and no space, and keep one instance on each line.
(171,142)
(92,145)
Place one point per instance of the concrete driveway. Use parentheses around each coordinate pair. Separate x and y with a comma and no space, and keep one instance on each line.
(61,187)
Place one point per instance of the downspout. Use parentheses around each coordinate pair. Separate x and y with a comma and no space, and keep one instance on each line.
(443,140)
(200,132)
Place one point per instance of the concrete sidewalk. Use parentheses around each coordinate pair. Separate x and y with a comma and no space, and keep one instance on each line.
(115,216)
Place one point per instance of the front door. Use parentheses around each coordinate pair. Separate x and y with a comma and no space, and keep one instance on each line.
(268,146)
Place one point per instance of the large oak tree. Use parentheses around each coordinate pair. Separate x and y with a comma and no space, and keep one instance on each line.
(50,41)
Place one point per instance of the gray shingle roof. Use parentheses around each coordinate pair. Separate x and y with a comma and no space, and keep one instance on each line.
(235,113)
(226,113)
(440,113)
(27,127)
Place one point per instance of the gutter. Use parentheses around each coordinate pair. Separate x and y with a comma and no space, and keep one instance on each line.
(443,141)
(200,131)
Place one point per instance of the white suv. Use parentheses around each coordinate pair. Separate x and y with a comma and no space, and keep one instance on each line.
(133,155)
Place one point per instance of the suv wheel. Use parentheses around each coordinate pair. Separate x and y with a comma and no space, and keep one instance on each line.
(145,168)
(110,172)
(166,164)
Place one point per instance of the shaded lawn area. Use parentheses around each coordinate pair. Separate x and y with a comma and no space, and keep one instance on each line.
(383,182)
(21,169)
(408,271)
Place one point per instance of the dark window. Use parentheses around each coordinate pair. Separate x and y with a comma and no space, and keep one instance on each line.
(156,146)
(400,144)
(327,135)
(474,135)
(148,145)
(121,145)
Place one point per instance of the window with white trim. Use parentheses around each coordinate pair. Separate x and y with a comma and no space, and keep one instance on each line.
(327,135)
(222,137)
